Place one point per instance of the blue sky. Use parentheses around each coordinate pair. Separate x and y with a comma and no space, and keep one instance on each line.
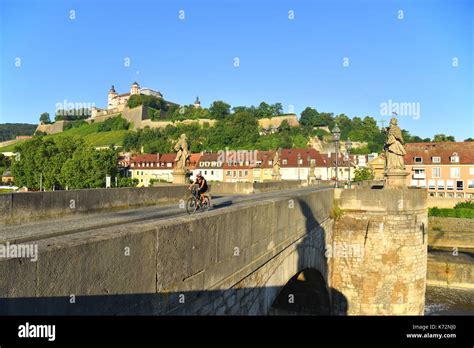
(298,62)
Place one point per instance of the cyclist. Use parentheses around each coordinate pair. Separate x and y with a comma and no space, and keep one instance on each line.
(202,185)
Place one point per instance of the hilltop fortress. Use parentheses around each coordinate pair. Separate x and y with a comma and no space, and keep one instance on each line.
(139,118)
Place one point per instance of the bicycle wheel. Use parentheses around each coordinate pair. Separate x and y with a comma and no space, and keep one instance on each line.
(191,205)
(206,204)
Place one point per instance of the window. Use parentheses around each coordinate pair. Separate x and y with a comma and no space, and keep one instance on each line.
(454,159)
(440,184)
(436,173)
(212,172)
(450,185)
(233,173)
(246,173)
(436,159)
(205,172)
(455,173)
(227,173)
(419,171)
(418,159)
(240,173)
(459,185)
(285,161)
(470,184)
(471,171)
(431,184)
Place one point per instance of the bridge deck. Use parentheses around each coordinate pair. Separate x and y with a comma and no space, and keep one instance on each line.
(48,228)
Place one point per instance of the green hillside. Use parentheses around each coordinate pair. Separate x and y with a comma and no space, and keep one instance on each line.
(90,133)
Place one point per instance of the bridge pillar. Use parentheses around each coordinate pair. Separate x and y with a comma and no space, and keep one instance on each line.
(378,255)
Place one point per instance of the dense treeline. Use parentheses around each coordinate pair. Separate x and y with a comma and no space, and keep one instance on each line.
(63,162)
(9,131)
(238,128)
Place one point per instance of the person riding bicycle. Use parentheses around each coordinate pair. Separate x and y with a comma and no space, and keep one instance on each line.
(202,185)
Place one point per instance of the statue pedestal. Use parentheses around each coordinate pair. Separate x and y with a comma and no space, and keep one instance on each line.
(180,176)
(396,179)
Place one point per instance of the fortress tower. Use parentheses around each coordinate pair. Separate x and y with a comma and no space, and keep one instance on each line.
(197,103)
(112,94)
(135,89)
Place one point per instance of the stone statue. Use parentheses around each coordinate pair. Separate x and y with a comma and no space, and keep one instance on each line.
(276,165)
(182,153)
(394,150)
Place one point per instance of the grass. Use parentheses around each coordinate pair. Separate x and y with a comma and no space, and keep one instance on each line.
(89,133)
(455,213)
(11,148)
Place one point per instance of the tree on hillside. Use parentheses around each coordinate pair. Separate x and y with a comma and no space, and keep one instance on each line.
(44,118)
(312,118)
(469,139)
(264,110)
(442,137)
(219,110)
(147,100)
(277,109)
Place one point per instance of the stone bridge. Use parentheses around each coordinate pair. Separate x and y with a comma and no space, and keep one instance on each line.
(360,251)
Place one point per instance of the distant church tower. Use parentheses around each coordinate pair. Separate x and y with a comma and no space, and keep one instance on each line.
(197,103)
(112,95)
(135,89)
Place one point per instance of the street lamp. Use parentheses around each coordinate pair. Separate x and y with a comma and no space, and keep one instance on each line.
(336,135)
(348,150)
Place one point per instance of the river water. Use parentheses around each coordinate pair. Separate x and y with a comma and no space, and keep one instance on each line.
(448,301)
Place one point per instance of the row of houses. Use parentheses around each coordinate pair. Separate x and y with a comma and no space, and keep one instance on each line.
(295,164)
(445,169)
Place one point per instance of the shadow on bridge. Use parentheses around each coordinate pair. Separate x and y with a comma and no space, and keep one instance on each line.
(305,293)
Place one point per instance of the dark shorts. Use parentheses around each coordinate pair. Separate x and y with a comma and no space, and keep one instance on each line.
(202,190)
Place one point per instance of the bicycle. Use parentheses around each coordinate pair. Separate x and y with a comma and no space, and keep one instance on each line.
(194,202)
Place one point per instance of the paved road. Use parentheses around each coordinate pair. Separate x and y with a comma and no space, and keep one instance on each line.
(22,233)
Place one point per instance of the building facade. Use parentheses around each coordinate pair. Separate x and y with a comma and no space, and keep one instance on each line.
(445,169)
(158,167)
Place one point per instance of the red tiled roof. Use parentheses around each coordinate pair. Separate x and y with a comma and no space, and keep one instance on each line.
(208,157)
(291,157)
(145,158)
(194,160)
(154,160)
(444,150)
